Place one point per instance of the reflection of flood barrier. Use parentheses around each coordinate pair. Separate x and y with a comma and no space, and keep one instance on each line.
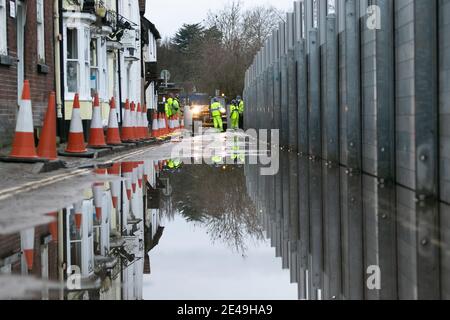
(367,113)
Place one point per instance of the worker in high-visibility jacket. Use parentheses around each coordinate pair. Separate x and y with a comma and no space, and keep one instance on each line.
(217,115)
(169,106)
(241,106)
(176,106)
(234,115)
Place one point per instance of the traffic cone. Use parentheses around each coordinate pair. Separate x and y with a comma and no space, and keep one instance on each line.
(127,127)
(115,185)
(161,125)
(27,246)
(127,173)
(96,135)
(47,142)
(133,121)
(98,190)
(155,126)
(53,226)
(23,145)
(139,124)
(76,137)
(113,133)
(78,215)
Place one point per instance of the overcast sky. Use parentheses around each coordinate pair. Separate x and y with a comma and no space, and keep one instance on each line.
(169,15)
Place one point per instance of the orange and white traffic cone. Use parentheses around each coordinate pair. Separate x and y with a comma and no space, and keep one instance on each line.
(127,127)
(47,141)
(96,135)
(76,137)
(115,185)
(27,246)
(23,145)
(161,125)
(53,226)
(113,133)
(98,191)
(78,207)
(139,124)
(155,126)
(127,173)
(133,121)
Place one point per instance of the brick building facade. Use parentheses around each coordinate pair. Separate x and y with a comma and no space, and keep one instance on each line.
(40,72)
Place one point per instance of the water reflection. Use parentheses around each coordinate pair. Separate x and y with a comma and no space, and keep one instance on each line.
(346,235)
(216,198)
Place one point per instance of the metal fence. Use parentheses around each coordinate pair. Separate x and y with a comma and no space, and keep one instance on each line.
(360,90)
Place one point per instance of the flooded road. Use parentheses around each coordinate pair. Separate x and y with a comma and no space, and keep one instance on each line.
(203,218)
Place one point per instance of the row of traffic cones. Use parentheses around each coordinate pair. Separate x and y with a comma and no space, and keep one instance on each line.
(135,128)
(162,126)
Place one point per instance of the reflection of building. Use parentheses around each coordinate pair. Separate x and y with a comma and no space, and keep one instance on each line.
(97,247)
(25,24)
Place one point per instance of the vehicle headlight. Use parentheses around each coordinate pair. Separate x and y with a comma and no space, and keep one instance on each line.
(196,109)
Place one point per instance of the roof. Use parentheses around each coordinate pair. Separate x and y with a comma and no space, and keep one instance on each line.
(147,25)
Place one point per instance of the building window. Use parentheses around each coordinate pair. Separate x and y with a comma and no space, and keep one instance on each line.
(94,67)
(40,31)
(3,34)
(73,64)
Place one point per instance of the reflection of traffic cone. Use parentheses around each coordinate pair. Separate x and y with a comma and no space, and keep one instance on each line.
(113,134)
(27,243)
(134,180)
(23,145)
(53,226)
(127,127)
(47,141)
(182,123)
(96,135)
(76,138)
(115,185)
(147,170)
(140,172)
(98,191)
(78,214)
(155,126)
(127,173)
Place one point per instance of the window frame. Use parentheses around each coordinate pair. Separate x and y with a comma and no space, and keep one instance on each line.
(3,28)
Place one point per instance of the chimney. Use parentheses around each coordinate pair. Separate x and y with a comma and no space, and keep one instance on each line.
(142,6)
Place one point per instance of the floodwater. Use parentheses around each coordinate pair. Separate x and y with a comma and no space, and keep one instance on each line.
(223,230)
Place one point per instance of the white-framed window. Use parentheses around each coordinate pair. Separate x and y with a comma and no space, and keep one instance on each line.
(40,30)
(72,61)
(77,61)
(3,33)
(94,73)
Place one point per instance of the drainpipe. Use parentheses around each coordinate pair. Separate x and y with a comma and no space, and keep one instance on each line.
(59,109)
(119,69)
(59,62)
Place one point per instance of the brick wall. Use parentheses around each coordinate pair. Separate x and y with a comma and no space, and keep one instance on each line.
(41,84)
